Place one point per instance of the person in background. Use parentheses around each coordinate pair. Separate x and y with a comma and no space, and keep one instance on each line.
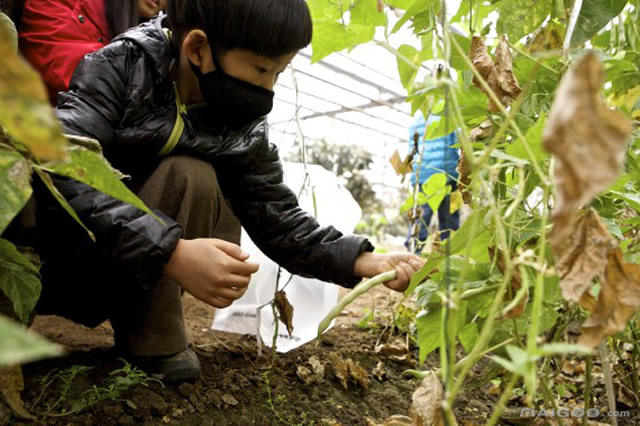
(56,34)
(434,156)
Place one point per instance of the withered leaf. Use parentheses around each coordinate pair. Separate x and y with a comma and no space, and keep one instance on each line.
(397,420)
(504,67)
(11,385)
(311,372)
(618,300)
(549,37)
(499,75)
(379,372)
(481,131)
(516,284)
(486,68)
(586,138)
(426,407)
(285,310)
(229,399)
(582,256)
(464,178)
(340,369)
(343,370)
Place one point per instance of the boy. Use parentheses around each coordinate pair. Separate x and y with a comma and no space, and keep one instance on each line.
(179,104)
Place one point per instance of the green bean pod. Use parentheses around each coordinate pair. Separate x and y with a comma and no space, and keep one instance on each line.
(351,296)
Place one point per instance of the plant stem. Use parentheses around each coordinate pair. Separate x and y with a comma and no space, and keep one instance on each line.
(608,380)
(500,406)
(573,18)
(587,390)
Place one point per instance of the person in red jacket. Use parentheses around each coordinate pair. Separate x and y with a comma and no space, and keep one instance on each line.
(56,34)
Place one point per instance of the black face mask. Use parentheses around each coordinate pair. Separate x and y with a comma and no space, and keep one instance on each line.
(236,102)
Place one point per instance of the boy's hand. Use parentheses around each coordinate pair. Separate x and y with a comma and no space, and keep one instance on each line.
(406,264)
(214,271)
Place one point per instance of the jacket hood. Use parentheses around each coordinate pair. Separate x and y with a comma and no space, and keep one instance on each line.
(151,39)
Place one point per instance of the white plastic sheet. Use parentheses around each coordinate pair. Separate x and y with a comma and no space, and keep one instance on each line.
(311,299)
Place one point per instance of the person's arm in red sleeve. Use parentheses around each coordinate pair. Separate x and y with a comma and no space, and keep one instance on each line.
(56,34)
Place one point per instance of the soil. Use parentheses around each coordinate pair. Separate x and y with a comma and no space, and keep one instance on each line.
(240,387)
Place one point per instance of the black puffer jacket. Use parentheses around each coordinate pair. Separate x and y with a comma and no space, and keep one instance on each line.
(123,96)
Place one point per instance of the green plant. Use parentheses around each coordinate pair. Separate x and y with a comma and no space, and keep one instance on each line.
(71,397)
(493,281)
(278,406)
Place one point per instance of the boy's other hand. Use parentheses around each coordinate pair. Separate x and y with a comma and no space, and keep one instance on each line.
(405,264)
(212,270)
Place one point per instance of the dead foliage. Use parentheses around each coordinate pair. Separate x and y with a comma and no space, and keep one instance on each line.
(426,406)
(582,256)
(618,300)
(285,310)
(587,140)
(498,75)
(349,369)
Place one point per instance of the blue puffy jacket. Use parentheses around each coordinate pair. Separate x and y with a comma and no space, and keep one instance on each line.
(437,154)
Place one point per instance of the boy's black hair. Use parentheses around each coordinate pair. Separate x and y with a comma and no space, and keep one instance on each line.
(121,15)
(269,28)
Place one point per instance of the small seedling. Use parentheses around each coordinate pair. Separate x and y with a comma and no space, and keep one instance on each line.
(71,400)
(278,405)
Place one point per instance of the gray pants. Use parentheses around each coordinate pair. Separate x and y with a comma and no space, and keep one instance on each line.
(186,189)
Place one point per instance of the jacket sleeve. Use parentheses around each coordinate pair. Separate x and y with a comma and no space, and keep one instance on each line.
(250,174)
(135,242)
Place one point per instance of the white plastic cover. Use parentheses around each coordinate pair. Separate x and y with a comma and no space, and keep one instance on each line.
(311,299)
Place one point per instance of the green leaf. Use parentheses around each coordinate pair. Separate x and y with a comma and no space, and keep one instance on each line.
(25,112)
(468,336)
(407,72)
(88,167)
(399,4)
(15,184)
(46,179)
(632,199)
(325,10)
(330,37)
(594,15)
(7,25)
(417,7)
(365,12)
(18,280)
(521,17)
(429,326)
(534,138)
(20,346)
(436,188)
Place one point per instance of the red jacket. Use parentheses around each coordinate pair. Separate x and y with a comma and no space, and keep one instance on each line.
(56,34)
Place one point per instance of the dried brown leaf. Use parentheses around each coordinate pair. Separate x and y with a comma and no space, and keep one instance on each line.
(549,37)
(581,256)
(229,399)
(483,63)
(397,420)
(483,130)
(285,310)
(504,67)
(11,385)
(516,284)
(379,372)
(426,408)
(340,370)
(464,178)
(358,374)
(311,372)
(618,300)
(498,75)
(587,140)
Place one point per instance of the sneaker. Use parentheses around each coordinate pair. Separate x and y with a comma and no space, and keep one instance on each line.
(183,366)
